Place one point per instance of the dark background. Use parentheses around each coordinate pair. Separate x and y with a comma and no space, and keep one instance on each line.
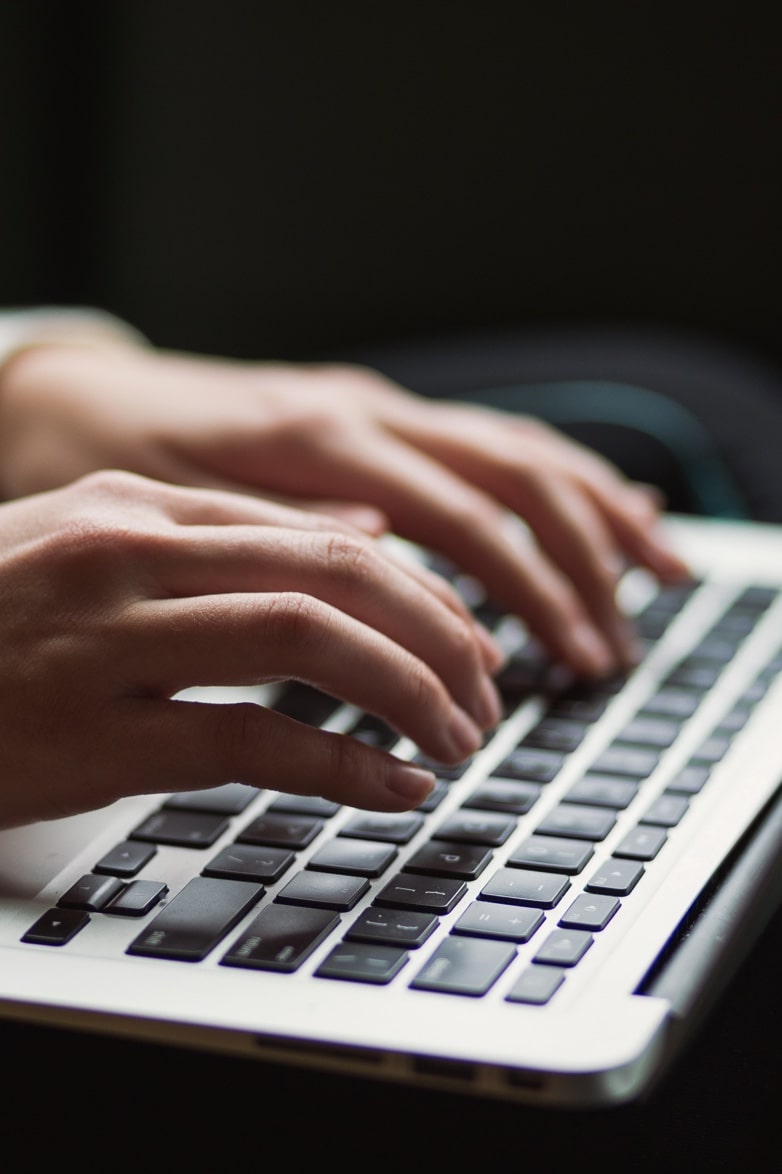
(279,180)
(262,180)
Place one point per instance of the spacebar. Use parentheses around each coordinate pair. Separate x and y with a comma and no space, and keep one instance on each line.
(196,919)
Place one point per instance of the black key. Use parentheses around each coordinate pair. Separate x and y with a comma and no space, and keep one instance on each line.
(55,927)
(616,876)
(374,732)
(642,843)
(650,730)
(394,927)
(578,821)
(691,778)
(590,911)
(282,831)
(680,703)
(435,796)
(517,886)
(183,829)
(230,799)
(579,707)
(469,827)
(556,734)
(714,748)
(442,858)
(564,947)
(491,919)
(379,825)
(305,704)
(304,805)
(667,810)
(280,938)
(464,966)
(250,862)
(536,985)
(717,647)
(534,766)
(513,796)
(431,895)
(354,857)
(196,919)
(452,771)
(363,962)
(695,675)
(324,890)
(126,859)
(552,854)
(629,761)
(91,892)
(603,791)
(138,898)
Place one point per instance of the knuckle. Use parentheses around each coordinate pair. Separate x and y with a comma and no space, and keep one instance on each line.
(296,618)
(347,558)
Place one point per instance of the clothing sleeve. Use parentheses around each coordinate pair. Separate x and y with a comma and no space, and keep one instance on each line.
(79,326)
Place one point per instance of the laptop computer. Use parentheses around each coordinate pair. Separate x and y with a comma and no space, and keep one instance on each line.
(550,928)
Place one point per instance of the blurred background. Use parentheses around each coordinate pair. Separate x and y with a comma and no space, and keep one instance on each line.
(292,180)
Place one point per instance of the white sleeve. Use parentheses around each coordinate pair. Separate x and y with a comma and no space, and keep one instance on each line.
(79,326)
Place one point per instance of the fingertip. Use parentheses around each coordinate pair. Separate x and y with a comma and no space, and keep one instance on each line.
(411,783)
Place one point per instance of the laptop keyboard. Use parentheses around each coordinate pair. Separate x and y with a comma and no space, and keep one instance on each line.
(519,859)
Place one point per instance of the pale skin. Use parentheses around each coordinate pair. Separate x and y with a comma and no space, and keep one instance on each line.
(241,547)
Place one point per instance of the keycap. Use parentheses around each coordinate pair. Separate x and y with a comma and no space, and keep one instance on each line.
(363,962)
(196,919)
(281,938)
(56,927)
(464,966)
(491,919)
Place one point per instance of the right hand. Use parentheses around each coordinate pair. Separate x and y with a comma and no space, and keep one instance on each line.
(118,592)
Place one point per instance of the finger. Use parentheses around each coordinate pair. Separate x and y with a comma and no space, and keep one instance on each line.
(178,746)
(167,646)
(484,447)
(350,574)
(433,506)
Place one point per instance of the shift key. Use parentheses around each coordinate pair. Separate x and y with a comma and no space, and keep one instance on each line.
(196,919)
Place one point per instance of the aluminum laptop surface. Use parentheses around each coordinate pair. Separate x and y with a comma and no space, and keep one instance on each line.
(549,931)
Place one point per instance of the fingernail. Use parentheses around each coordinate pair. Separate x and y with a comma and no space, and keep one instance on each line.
(410,782)
(462,733)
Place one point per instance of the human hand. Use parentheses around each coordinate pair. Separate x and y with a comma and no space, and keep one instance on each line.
(119,592)
(448,476)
